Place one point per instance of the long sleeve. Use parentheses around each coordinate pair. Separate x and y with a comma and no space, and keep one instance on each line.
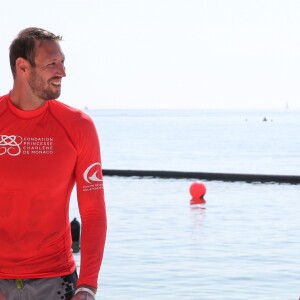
(91,203)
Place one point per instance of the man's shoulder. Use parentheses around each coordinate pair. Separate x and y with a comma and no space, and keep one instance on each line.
(68,113)
(3,105)
(76,122)
(3,97)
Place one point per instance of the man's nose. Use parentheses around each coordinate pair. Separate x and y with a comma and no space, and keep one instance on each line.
(61,70)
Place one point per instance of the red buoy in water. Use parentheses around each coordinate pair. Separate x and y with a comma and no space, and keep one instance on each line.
(197,190)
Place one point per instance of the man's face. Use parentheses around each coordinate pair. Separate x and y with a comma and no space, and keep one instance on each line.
(45,77)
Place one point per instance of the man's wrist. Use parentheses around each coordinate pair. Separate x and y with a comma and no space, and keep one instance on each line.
(85,289)
(92,288)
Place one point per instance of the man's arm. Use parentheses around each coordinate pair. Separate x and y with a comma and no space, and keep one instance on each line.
(91,204)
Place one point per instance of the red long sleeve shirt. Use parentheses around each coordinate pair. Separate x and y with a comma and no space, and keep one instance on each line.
(43,153)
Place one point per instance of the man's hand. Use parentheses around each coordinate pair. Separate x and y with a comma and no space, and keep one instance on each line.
(83,296)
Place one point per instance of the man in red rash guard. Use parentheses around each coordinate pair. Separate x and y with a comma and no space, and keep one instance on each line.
(45,148)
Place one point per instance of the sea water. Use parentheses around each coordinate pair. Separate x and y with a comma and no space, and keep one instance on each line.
(207,141)
(243,243)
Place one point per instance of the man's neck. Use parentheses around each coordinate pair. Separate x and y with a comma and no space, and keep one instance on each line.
(24,101)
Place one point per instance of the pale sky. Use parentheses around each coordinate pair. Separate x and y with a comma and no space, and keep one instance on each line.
(168,53)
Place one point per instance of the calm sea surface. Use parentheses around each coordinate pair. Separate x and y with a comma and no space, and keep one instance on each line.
(244,243)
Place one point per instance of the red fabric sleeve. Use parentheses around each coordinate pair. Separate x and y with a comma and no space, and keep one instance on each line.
(91,203)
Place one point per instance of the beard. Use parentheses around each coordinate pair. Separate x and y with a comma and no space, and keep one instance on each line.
(42,88)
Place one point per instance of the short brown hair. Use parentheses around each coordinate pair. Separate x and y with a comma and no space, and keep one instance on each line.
(24,45)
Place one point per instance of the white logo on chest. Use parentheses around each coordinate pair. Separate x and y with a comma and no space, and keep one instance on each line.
(10,144)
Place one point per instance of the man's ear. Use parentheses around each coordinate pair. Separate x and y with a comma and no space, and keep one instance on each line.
(22,66)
